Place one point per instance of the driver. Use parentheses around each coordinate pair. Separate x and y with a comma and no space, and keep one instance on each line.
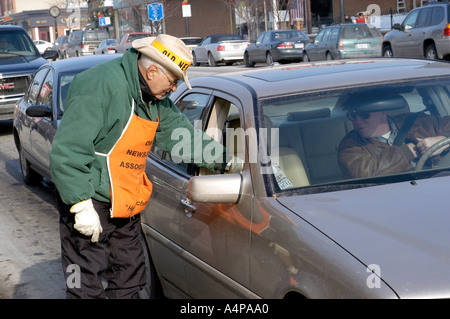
(371,149)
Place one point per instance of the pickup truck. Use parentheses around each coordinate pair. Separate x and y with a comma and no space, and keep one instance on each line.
(19,60)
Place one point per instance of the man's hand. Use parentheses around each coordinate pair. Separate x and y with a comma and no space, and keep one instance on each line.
(87,221)
(427,142)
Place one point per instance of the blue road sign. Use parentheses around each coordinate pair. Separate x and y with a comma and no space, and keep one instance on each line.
(155,11)
(102,21)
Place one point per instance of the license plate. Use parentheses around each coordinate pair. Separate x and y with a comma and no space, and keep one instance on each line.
(236,47)
(362,45)
(299,45)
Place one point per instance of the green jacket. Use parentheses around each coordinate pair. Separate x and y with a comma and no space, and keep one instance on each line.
(98,107)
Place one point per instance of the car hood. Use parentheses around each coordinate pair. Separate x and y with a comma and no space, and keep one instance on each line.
(19,64)
(404,228)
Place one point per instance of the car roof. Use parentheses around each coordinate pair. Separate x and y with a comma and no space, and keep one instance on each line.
(11,27)
(317,76)
(81,62)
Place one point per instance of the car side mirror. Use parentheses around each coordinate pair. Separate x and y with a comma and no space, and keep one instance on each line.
(220,188)
(50,54)
(39,111)
(397,26)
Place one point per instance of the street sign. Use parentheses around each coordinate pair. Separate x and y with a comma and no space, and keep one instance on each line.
(155,11)
(104,21)
(186,10)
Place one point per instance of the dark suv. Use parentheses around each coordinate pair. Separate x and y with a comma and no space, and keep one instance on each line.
(425,32)
(19,60)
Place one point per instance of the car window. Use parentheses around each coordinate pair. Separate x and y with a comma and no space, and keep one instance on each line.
(65,79)
(46,94)
(319,36)
(18,43)
(259,39)
(312,131)
(35,87)
(334,34)
(192,105)
(437,15)
(410,20)
(206,41)
(424,18)
(326,34)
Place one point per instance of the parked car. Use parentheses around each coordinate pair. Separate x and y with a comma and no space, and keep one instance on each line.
(42,45)
(424,33)
(216,48)
(59,46)
(107,47)
(38,114)
(125,42)
(191,42)
(344,42)
(83,42)
(19,60)
(276,46)
(290,225)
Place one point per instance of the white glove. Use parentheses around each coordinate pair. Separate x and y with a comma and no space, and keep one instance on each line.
(87,221)
(235,165)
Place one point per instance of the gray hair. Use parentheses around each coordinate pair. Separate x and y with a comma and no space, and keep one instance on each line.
(145,62)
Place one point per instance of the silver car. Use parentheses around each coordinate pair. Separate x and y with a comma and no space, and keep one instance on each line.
(218,48)
(425,33)
(290,225)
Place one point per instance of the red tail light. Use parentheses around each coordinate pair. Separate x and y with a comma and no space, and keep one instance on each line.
(110,49)
(285,45)
(447,30)
(341,45)
(82,46)
(221,48)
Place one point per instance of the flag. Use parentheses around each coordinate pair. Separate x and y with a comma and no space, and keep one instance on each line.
(297,10)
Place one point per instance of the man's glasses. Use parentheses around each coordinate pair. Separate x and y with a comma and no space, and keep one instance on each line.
(352,114)
(171,83)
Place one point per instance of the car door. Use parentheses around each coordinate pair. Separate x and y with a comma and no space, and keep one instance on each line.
(315,47)
(43,129)
(216,236)
(403,40)
(419,32)
(165,210)
(201,51)
(257,51)
(27,122)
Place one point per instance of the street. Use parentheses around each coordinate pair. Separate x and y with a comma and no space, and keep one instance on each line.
(30,264)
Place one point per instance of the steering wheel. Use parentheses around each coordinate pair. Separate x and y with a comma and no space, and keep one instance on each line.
(430,151)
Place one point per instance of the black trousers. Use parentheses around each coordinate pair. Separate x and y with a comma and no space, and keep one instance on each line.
(113,267)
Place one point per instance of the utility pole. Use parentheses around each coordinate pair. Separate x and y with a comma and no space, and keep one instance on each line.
(342,11)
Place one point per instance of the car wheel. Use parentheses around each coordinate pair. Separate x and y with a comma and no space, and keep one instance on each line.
(194,60)
(387,51)
(329,56)
(306,57)
(152,289)
(430,52)
(30,176)
(247,61)
(66,56)
(211,60)
(269,59)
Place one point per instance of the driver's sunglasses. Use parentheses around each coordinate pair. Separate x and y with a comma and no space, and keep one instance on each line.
(352,114)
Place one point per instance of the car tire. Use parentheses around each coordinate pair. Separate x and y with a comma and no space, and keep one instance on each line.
(269,59)
(430,52)
(30,176)
(211,60)
(387,51)
(329,56)
(247,61)
(306,57)
(153,288)
(194,60)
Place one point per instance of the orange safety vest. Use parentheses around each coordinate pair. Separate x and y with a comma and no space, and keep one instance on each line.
(130,186)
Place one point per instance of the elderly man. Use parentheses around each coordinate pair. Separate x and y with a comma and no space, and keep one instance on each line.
(373,147)
(115,112)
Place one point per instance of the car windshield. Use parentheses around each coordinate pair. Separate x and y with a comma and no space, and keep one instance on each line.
(132,37)
(291,35)
(225,37)
(16,42)
(330,140)
(359,31)
(95,36)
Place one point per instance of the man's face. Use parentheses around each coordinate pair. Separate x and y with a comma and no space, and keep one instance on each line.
(370,124)
(160,82)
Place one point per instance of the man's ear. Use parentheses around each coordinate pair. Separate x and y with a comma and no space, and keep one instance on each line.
(151,70)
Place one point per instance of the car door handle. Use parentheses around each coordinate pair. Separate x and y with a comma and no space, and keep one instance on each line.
(188,207)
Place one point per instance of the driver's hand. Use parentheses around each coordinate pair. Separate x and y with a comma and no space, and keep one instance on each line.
(427,142)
